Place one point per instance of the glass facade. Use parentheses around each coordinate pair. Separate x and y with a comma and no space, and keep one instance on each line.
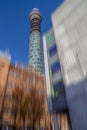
(59,90)
(55,67)
(54,71)
(53,50)
(55,88)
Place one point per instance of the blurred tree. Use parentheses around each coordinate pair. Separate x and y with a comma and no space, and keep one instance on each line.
(15,105)
(36,106)
(2,98)
(28,102)
(24,102)
(41,108)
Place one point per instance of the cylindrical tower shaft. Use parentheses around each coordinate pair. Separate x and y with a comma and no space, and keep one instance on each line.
(35,46)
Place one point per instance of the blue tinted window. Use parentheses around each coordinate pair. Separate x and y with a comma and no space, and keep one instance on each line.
(53,50)
(55,67)
(58,85)
(59,91)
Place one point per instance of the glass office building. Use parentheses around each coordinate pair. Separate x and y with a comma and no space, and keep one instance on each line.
(53,69)
(69,24)
(35,46)
(55,88)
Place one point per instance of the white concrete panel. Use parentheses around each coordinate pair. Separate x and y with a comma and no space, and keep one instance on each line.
(48,85)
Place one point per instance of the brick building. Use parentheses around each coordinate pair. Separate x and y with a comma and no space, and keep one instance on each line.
(12,76)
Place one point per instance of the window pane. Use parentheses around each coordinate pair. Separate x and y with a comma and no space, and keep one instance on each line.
(53,50)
